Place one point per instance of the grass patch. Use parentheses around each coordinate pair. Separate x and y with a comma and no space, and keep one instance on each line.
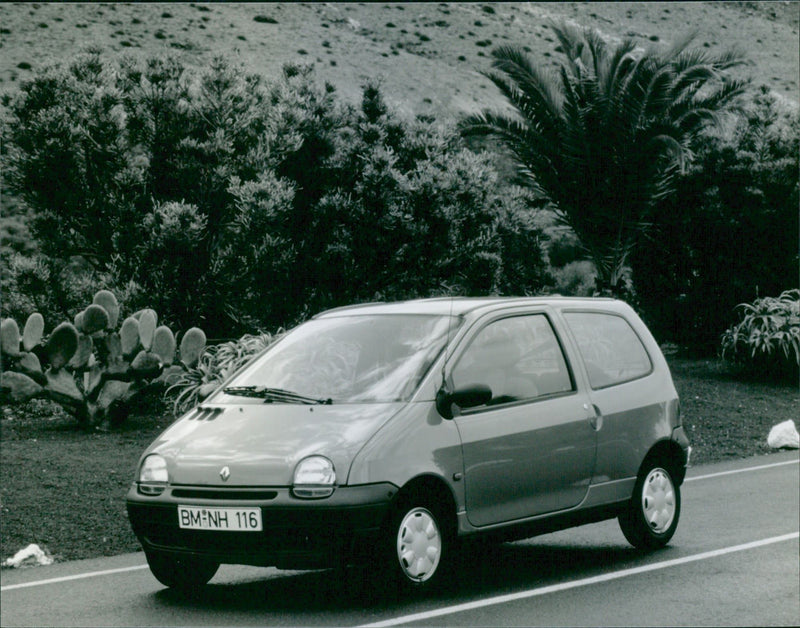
(65,489)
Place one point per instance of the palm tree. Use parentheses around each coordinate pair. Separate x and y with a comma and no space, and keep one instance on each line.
(602,139)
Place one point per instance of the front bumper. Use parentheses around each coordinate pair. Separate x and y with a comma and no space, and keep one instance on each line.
(297,534)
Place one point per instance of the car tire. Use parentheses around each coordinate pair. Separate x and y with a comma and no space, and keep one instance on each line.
(651,517)
(184,573)
(417,544)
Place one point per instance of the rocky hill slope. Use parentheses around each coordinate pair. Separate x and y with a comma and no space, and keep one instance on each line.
(428,55)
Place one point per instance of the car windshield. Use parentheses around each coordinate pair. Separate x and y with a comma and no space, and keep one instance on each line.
(351,358)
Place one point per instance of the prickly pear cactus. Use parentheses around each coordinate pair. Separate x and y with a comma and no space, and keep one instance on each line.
(88,366)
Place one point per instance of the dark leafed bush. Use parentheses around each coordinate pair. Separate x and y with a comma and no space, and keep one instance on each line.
(265,19)
(730,231)
(239,205)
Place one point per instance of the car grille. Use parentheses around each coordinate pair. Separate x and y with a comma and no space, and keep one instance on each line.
(231,494)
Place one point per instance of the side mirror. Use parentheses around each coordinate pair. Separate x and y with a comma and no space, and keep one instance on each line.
(467,397)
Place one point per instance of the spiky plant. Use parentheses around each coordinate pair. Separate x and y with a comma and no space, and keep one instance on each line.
(215,365)
(602,139)
(767,337)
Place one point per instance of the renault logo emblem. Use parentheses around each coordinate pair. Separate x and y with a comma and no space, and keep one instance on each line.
(225,474)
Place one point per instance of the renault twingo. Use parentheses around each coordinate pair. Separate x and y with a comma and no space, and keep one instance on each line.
(388,432)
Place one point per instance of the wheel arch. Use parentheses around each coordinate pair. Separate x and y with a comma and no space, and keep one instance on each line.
(434,491)
(670,454)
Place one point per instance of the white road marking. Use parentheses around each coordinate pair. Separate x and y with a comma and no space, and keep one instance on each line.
(555,588)
(758,468)
(92,574)
(77,576)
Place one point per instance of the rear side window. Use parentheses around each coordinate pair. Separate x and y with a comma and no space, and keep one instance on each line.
(519,358)
(611,350)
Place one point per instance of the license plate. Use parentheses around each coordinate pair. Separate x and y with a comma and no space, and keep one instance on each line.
(226,519)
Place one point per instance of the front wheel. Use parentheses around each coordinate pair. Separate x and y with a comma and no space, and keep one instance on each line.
(651,517)
(184,573)
(417,543)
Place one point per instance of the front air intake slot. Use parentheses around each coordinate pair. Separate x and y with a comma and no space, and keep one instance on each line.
(233,494)
(205,414)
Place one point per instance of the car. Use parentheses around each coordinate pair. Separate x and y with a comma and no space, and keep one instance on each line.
(385,434)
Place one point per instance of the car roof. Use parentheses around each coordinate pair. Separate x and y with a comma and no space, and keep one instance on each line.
(458,306)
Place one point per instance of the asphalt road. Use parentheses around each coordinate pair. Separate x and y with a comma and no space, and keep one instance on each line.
(734,561)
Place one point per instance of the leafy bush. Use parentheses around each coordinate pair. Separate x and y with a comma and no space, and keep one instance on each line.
(243,205)
(767,338)
(728,233)
(575,279)
(216,364)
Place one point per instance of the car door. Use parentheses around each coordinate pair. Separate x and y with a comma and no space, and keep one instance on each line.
(531,448)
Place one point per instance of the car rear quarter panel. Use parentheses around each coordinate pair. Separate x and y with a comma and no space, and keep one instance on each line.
(636,414)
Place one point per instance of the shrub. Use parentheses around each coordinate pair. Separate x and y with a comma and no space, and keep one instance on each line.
(729,231)
(767,338)
(225,201)
(575,279)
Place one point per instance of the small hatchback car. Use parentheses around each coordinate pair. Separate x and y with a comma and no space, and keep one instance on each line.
(389,432)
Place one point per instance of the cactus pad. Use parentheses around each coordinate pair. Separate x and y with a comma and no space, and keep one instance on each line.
(109,303)
(29,365)
(147,328)
(9,337)
(112,392)
(192,345)
(146,365)
(32,334)
(19,387)
(81,356)
(95,319)
(62,388)
(164,344)
(61,345)
(129,335)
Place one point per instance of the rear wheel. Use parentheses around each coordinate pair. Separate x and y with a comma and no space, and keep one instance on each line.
(180,572)
(651,517)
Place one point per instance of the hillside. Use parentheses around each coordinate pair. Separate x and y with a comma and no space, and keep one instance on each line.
(427,55)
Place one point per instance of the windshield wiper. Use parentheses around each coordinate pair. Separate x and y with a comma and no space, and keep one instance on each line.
(271,395)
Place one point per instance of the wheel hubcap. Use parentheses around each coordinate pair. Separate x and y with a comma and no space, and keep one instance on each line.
(658,501)
(419,545)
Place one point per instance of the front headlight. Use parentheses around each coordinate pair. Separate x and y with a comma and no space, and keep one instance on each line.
(314,477)
(153,475)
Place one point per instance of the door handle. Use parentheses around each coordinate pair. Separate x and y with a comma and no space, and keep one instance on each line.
(596,418)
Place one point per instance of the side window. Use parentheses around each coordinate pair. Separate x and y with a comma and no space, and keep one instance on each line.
(611,350)
(519,358)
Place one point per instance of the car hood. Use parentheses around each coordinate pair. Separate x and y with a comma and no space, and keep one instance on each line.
(261,443)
